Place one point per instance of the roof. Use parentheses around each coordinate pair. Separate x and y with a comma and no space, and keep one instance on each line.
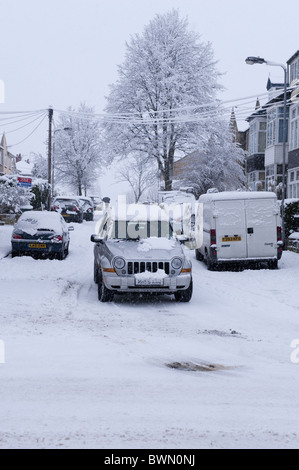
(273,85)
(229,195)
(294,56)
(34,220)
(24,167)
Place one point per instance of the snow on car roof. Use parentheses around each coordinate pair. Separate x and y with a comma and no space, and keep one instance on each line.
(229,195)
(40,220)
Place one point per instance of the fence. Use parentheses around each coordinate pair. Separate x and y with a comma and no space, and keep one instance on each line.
(293,244)
(8,219)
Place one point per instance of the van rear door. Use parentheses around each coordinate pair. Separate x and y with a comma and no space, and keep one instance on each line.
(261,221)
(230,229)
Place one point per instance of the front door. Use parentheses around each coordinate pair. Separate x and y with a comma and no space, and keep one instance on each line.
(261,228)
(231,229)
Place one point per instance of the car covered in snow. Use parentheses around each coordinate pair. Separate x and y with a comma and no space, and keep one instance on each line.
(69,207)
(87,206)
(136,251)
(41,234)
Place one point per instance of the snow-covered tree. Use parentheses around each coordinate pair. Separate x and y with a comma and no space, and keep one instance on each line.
(160,104)
(40,166)
(219,165)
(77,154)
(138,171)
(12,196)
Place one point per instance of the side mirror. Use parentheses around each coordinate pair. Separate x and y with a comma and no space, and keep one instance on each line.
(96,238)
(182,238)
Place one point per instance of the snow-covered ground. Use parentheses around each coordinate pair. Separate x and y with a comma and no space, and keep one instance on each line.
(82,374)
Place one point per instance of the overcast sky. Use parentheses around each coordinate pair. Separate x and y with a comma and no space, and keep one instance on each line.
(63,52)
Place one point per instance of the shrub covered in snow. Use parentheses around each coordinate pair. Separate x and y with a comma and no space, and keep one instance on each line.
(12,196)
(40,189)
(291,216)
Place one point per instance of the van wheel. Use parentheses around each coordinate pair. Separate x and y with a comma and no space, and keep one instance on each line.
(210,265)
(273,264)
(184,295)
(104,294)
(198,255)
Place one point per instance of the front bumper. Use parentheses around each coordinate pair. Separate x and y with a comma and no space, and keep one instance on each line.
(171,284)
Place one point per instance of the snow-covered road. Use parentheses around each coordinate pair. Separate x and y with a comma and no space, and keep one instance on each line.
(82,374)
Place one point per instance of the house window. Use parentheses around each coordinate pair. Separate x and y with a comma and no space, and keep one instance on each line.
(257,137)
(262,137)
(271,127)
(294,70)
(275,126)
(252,138)
(294,137)
(293,186)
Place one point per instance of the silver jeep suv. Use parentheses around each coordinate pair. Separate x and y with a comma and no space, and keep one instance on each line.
(136,251)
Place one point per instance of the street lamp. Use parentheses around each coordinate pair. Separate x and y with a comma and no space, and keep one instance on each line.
(260,60)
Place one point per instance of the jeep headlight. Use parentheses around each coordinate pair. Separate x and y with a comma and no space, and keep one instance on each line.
(176,263)
(119,263)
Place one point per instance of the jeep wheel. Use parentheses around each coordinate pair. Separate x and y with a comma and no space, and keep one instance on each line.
(95,273)
(198,255)
(184,295)
(104,294)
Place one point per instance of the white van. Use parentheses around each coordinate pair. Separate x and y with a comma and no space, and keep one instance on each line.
(240,227)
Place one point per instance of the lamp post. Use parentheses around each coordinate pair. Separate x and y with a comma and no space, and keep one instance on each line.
(260,60)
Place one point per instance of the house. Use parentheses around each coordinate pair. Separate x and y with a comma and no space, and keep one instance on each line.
(255,162)
(293,156)
(266,141)
(24,166)
(7,159)
(265,146)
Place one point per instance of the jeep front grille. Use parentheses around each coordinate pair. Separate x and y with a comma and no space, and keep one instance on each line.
(135,267)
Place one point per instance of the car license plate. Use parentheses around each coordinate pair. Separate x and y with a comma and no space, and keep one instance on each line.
(149,282)
(231,239)
(66,215)
(37,245)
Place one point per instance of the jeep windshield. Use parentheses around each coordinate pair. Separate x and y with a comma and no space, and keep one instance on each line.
(136,230)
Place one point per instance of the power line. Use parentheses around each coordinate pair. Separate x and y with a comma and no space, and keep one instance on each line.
(25,125)
(29,135)
(188,114)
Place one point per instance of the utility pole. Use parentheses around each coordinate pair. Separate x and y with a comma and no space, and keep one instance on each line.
(50,115)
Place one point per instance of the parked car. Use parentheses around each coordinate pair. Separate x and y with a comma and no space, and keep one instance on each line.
(41,234)
(182,205)
(240,228)
(136,251)
(87,206)
(98,204)
(69,207)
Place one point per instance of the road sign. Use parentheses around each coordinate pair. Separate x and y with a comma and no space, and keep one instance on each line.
(24,182)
